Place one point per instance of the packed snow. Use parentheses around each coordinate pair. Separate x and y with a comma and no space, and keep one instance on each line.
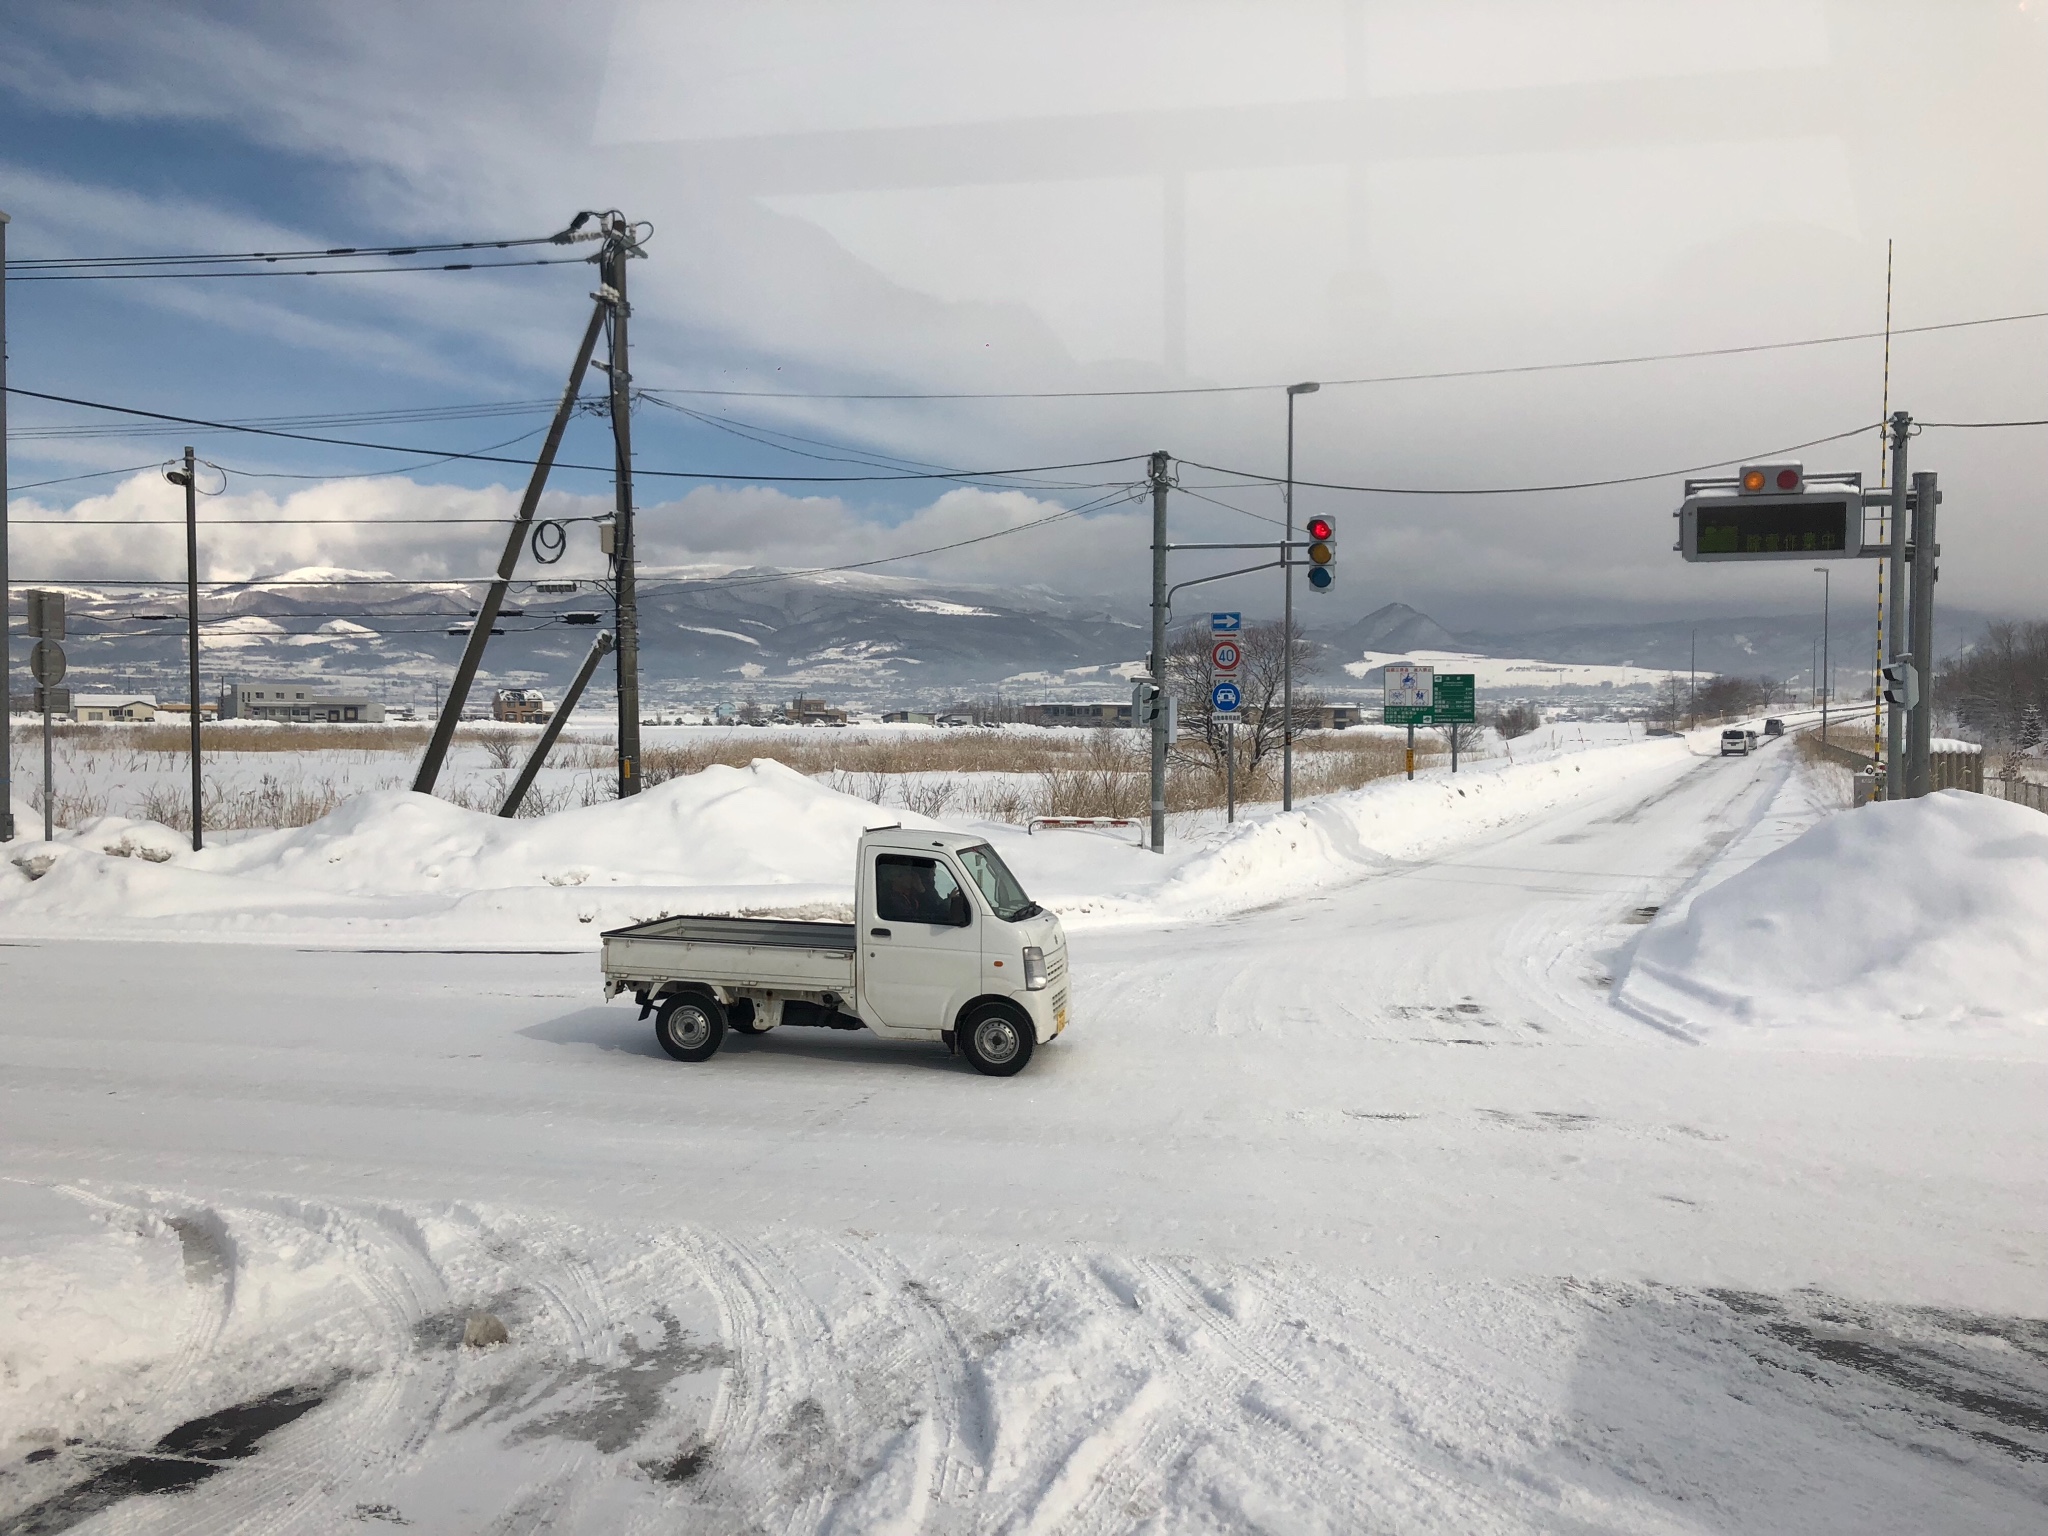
(1350,1201)
(1515,673)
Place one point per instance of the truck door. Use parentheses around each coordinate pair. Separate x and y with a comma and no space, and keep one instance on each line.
(921,953)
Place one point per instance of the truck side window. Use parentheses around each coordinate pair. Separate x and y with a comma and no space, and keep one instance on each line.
(909,889)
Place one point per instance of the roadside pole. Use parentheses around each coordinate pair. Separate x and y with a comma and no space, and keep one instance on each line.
(546,744)
(1895,616)
(619,248)
(1411,751)
(1230,772)
(6,590)
(192,627)
(1157,475)
(1920,721)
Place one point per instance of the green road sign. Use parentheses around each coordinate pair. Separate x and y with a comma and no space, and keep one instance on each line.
(1456,699)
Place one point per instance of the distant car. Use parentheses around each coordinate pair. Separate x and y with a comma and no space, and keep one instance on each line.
(1774,727)
(1736,742)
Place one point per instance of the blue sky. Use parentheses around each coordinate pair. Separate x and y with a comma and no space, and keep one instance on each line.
(1258,193)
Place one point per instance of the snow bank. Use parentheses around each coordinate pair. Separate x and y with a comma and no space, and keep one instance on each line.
(396,867)
(1906,926)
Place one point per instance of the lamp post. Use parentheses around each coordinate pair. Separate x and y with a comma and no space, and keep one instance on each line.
(1826,671)
(1287,615)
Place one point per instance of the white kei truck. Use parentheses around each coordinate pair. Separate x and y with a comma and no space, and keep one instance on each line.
(944,946)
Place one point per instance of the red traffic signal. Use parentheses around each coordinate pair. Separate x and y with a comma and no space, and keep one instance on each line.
(1320,528)
(1322,553)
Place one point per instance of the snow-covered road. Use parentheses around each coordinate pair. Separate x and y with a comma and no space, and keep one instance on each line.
(1364,1211)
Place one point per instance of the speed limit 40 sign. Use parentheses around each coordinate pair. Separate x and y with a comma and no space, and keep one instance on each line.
(1224,658)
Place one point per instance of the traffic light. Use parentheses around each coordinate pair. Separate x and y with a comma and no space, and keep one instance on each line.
(1902,685)
(1322,554)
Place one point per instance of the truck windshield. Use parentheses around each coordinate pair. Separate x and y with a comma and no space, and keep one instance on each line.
(987,870)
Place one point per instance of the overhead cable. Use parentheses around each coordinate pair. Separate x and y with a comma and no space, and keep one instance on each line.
(1530,490)
(606,469)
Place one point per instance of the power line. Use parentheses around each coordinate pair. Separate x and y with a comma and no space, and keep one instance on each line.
(400,414)
(564,237)
(1382,378)
(2041,422)
(134,277)
(606,469)
(1530,490)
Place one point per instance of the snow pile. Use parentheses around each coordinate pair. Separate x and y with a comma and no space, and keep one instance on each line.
(763,838)
(1900,926)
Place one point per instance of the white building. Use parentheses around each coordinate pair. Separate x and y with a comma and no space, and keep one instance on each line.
(98,707)
(309,703)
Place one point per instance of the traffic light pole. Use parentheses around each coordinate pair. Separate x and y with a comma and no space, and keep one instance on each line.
(1157,475)
(1919,750)
(1896,642)
(625,593)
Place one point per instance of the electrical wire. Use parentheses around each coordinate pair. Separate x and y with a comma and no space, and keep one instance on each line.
(135,277)
(36,263)
(1967,425)
(1382,378)
(404,414)
(962,475)
(1528,490)
(98,474)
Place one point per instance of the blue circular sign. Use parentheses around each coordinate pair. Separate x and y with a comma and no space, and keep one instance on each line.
(1224,698)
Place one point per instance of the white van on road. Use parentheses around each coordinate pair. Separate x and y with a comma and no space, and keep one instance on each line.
(1738,742)
(945,946)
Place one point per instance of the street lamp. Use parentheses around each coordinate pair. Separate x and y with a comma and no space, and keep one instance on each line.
(1827,671)
(1287,615)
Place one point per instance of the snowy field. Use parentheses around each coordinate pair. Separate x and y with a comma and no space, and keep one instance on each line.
(1434,1159)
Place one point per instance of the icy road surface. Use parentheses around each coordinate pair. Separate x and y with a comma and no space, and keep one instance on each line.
(1362,1212)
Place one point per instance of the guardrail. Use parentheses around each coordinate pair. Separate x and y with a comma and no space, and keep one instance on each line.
(1085,824)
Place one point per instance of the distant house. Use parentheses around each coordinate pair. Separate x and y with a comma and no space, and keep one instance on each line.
(910,717)
(803,711)
(306,703)
(520,706)
(1092,714)
(182,711)
(97,707)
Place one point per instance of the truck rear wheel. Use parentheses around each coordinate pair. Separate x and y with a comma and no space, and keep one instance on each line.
(997,1040)
(690,1026)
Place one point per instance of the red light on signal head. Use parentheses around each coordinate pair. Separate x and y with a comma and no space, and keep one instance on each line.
(1319,528)
(1788,479)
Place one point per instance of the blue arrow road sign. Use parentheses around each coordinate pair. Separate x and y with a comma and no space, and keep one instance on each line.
(1224,624)
(1224,697)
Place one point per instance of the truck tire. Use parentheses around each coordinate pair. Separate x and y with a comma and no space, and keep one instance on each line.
(690,1026)
(996,1039)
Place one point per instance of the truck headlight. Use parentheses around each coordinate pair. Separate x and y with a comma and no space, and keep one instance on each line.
(1034,968)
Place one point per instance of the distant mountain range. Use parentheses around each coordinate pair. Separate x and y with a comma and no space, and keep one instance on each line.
(726,636)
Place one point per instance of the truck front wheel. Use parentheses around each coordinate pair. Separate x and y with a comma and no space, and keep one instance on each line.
(690,1026)
(996,1040)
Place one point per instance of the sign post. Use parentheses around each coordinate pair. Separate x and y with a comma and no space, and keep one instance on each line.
(1456,706)
(1410,700)
(1226,694)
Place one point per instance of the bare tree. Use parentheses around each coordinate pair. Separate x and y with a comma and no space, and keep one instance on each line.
(1991,689)
(1260,717)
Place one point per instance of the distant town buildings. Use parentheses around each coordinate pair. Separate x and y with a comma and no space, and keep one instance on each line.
(303,703)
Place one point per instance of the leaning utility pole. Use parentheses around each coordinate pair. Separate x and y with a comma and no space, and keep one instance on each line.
(487,611)
(620,247)
(1157,475)
(6,591)
(1920,733)
(1895,616)
(546,744)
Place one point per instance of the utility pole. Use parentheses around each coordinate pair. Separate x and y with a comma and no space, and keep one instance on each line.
(450,714)
(6,590)
(1895,616)
(546,744)
(619,248)
(1692,698)
(188,477)
(1919,746)
(1287,614)
(1827,668)
(1157,475)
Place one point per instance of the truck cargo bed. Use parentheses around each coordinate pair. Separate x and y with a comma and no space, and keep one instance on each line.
(756,953)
